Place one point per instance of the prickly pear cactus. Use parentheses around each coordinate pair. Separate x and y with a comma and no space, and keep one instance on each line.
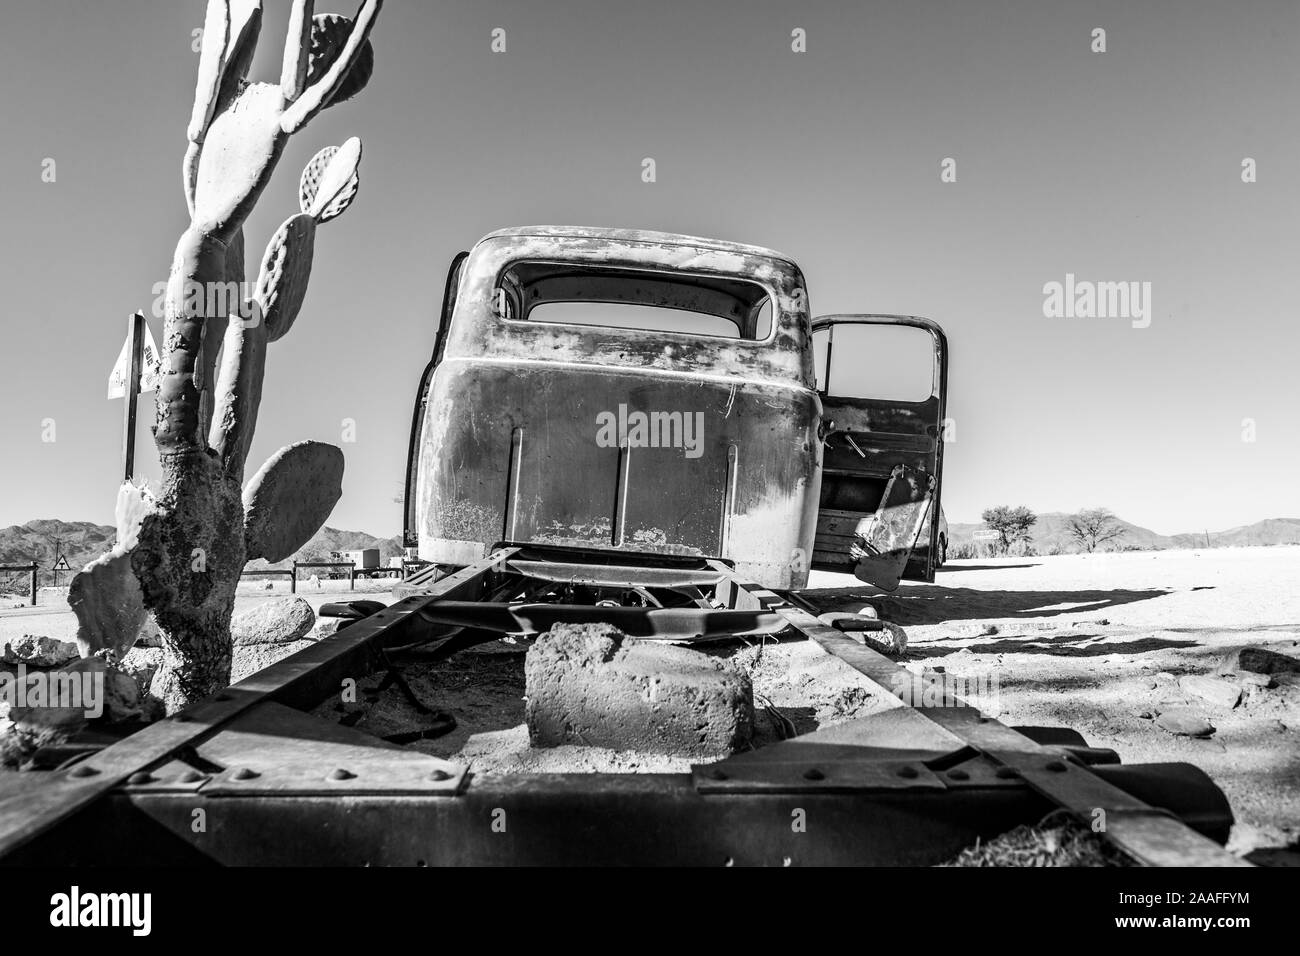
(180,555)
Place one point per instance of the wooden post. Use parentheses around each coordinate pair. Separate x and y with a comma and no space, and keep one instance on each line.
(293,580)
(34,569)
(135,335)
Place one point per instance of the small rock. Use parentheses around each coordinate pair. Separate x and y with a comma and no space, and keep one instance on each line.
(141,663)
(1185,722)
(121,697)
(1215,690)
(326,628)
(1251,679)
(1165,676)
(891,640)
(1260,661)
(281,621)
(1144,715)
(38,651)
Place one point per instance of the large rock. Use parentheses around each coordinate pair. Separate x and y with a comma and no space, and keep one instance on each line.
(81,685)
(37,651)
(275,622)
(1215,690)
(1259,660)
(593,685)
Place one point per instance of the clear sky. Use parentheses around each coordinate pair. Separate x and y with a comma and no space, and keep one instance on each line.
(1116,166)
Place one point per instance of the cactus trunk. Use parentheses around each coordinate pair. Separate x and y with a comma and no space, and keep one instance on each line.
(188,562)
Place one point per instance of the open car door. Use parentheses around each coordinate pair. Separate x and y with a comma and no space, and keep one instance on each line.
(883,381)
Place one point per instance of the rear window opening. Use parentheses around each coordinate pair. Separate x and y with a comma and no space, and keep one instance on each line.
(599,297)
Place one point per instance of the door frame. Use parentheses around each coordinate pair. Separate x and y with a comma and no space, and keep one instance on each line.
(939,390)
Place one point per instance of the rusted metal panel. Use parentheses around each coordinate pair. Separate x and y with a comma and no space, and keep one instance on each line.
(512,449)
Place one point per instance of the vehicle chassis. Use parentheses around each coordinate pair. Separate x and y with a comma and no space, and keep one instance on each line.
(248,777)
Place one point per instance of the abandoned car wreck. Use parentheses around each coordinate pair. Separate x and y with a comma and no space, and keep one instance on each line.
(628,452)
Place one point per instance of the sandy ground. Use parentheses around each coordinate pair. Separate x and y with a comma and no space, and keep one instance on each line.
(1092,642)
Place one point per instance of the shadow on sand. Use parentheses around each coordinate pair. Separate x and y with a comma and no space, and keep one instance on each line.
(1058,645)
(930,604)
(949,568)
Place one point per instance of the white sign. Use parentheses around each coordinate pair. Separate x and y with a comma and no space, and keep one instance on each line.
(150,368)
(985,535)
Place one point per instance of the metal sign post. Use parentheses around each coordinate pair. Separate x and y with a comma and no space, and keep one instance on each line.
(135,335)
(136,370)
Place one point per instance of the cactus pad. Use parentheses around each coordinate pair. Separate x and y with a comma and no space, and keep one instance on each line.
(290,497)
(329,34)
(330,181)
(109,604)
(286,269)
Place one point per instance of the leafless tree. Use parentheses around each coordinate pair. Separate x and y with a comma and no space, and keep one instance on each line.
(1093,527)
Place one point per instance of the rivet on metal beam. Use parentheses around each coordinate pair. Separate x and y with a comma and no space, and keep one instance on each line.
(1056,767)
(909,772)
(191,776)
(81,770)
(139,777)
(1008,773)
(716,774)
(341,774)
(813,774)
(958,775)
(243,773)
(440,775)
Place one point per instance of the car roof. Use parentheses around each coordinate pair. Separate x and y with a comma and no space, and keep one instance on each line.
(645,236)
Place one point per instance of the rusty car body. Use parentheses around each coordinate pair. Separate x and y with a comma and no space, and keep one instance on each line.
(742,455)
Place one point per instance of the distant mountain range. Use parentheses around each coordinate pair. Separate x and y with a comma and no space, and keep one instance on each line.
(1051,535)
(80,542)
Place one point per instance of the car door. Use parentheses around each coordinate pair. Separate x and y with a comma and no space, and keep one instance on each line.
(883,384)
